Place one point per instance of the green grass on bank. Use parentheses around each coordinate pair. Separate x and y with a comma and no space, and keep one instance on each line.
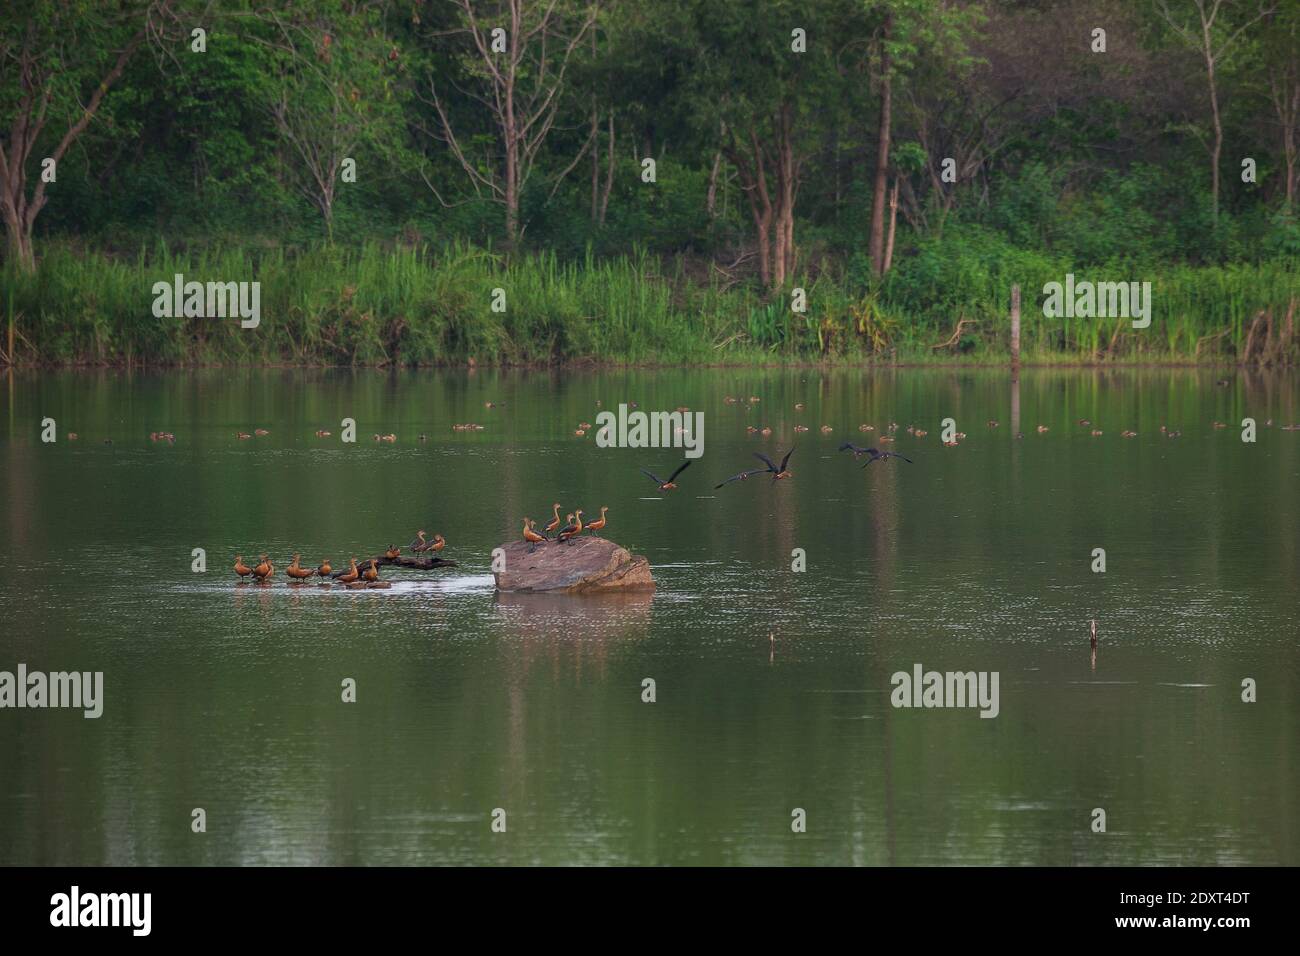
(376,305)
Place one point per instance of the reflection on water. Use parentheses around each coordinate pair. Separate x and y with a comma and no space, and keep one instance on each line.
(771,686)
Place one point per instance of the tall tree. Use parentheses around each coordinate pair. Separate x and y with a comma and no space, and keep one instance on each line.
(332,92)
(515,54)
(58,62)
(1205,26)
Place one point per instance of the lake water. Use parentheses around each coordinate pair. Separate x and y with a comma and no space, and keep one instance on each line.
(227,697)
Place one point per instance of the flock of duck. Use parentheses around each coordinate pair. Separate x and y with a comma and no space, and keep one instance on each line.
(367,573)
(572,528)
(564,532)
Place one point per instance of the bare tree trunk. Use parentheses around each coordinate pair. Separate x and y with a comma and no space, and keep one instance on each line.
(711,198)
(893,223)
(788,187)
(1217,149)
(876,245)
(1287,108)
(595,168)
(609,172)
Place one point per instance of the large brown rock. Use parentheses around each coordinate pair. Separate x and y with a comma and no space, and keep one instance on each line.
(587,565)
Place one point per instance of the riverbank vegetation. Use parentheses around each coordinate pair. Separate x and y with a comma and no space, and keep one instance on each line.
(671,183)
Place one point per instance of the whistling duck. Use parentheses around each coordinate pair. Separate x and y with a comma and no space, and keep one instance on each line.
(991,423)
(419,545)
(599,523)
(1128,434)
(800,428)
(1084,422)
(260,432)
(875,454)
(777,473)
(575,527)
(1042,428)
(866,428)
(579,433)
(263,569)
(297,571)
(826,429)
(438,543)
(765,431)
(743,476)
(371,573)
(555,522)
(241,568)
(1096,433)
(798,406)
(392,553)
(350,575)
(72,436)
(1218,425)
(670,484)
(531,536)
(324,569)
(920,433)
(243,436)
(322,433)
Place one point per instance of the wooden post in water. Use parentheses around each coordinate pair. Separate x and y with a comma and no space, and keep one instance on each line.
(1015,327)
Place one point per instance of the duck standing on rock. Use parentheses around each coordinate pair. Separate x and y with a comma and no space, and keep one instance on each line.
(531,536)
(241,568)
(555,522)
(573,529)
(263,569)
(392,553)
(324,569)
(297,571)
(599,523)
(419,545)
(371,573)
(348,576)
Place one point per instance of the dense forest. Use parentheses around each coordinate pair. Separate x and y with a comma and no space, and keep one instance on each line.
(427,181)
